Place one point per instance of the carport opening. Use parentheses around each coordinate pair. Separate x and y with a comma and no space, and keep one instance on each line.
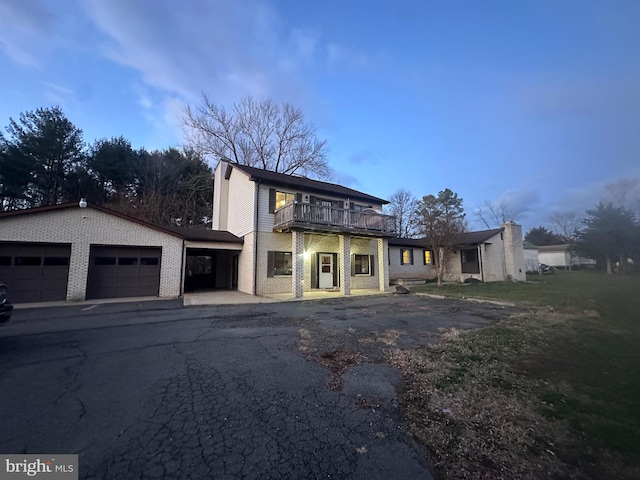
(209,269)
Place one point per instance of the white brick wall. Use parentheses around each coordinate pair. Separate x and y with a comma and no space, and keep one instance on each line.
(514,252)
(83,227)
(241,204)
(417,270)
(282,242)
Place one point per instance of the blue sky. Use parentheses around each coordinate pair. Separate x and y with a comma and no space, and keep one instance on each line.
(536,102)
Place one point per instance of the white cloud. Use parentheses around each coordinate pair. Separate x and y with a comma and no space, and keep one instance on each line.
(227,49)
(58,94)
(25,26)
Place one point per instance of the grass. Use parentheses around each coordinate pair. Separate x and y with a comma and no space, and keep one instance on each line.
(552,393)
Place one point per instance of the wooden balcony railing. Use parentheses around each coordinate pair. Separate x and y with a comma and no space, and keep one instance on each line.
(306,215)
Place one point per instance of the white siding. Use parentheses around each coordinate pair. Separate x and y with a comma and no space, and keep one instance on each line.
(265,218)
(555,259)
(531,259)
(493,260)
(241,204)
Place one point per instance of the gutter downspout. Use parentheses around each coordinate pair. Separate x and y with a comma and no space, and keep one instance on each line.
(255,239)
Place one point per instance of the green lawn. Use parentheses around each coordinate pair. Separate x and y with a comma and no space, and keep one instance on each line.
(570,365)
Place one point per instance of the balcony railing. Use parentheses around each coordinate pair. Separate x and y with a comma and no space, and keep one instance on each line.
(320,217)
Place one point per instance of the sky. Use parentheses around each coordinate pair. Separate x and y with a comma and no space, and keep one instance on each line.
(534,102)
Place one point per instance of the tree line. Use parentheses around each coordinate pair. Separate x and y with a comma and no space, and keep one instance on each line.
(45,161)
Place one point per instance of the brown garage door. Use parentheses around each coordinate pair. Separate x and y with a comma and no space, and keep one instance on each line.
(35,272)
(123,272)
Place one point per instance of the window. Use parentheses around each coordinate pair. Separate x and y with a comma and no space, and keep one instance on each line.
(406,256)
(279,263)
(361,264)
(28,261)
(56,261)
(428,259)
(128,261)
(360,208)
(149,261)
(104,261)
(283,198)
(5,261)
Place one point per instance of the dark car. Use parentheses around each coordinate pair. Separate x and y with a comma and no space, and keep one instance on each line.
(5,307)
(545,269)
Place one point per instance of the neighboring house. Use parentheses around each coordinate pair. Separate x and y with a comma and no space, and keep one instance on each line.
(561,256)
(301,234)
(487,255)
(530,256)
(65,252)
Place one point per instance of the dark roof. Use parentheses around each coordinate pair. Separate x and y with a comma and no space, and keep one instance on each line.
(481,236)
(409,242)
(554,248)
(307,184)
(205,234)
(469,238)
(195,234)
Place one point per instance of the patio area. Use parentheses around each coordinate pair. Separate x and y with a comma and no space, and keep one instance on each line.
(234,297)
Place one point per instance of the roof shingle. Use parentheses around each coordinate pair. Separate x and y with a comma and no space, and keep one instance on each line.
(306,184)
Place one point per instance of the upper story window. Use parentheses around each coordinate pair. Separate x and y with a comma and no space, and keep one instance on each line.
(359,208)
(283,198)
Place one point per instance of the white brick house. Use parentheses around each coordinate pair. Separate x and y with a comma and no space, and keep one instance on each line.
(487,255)
(65,252)
(301,234)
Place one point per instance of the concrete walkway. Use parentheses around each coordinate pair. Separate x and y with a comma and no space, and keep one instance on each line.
(210,297)
(233,297)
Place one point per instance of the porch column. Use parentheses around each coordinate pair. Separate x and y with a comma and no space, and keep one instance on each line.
(297,259)
(344,248)
(383,264)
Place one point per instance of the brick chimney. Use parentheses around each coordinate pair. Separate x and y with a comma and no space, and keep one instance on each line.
(514,252)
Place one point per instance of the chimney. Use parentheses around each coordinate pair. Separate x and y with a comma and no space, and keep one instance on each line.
(514,252)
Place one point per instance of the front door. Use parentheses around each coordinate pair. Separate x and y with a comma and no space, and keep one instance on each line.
(325,278)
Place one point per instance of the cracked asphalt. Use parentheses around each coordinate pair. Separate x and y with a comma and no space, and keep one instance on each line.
(281,390)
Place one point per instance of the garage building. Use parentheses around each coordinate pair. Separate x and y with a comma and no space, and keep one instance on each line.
(65,252)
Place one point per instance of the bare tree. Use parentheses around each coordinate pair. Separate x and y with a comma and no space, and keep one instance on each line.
(261,134)
(494,214)
(624,193)
(402,204)
(565,225)
(441,221)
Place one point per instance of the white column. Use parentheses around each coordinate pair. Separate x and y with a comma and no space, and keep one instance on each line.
(383,264)
(297,271)
(344,246)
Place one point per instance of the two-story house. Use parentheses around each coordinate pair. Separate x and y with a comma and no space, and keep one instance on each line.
(272,233)
(301,234)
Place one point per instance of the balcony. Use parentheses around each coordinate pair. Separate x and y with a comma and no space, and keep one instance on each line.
(320,218)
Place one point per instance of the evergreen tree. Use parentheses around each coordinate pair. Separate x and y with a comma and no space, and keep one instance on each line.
(610,234)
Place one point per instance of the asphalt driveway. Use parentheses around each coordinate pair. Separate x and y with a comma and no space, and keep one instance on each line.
(281,390)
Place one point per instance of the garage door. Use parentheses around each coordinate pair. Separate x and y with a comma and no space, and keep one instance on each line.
(35,272)
(124,272)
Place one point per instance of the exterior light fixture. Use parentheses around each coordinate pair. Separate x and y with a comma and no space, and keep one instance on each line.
(83,203)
